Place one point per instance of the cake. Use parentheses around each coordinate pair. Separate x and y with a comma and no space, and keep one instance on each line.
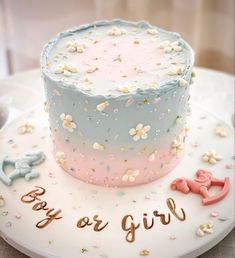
(117,95)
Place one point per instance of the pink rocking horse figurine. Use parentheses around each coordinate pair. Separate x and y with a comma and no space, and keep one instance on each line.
(204,180)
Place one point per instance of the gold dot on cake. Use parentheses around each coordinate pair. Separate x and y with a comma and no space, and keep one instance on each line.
(144,252)
(83,250)
(2,201)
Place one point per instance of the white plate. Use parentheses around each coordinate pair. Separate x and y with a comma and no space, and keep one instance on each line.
(62,238)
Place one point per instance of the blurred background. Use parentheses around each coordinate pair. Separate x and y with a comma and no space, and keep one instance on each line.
(26,25)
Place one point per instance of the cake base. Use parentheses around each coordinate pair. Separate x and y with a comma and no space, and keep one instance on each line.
(116,207)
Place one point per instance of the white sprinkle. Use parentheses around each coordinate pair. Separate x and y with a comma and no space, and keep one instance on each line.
(151,31)
(102,106)
(98,146)
(182,82)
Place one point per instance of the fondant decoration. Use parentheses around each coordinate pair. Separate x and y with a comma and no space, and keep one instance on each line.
(26,128)
(206,228)
(203,182)
(34,196)
(2,201)
(117,106)
(22,167)
(211,157)
(221,131)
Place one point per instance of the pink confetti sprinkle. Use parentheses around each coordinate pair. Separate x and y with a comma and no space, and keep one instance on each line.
(229,166)
(146,197)
(195,144)
(56,93)
(50,175)
(129,102)
(17,215)
(115,111)
(203,117)
(172,237)
(214,214)
(111,156)
(156,100)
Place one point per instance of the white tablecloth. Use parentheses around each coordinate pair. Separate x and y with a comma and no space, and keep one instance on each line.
(25,90)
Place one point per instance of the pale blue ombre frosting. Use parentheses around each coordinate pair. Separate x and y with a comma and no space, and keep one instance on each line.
(110,127)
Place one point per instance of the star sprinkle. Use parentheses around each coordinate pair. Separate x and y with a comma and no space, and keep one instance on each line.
(2,201)
(205,229)
(26,128)
(139,132)
(66,69)
(130,175)
(67,122)
(221,131)
(211,157)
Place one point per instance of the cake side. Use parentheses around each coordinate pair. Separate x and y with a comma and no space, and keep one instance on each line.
(120,138)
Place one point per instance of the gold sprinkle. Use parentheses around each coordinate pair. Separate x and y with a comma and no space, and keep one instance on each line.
(136,41)
(145,101)
(144,252)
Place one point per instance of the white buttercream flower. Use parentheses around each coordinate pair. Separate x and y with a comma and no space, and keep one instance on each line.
(176,147)
(211,157)
(60,157)
(205,228)
(66,69)
(151,31)
(115,31)
(130,175)
(175,70)
(168,46)
(140,132)
(26,128)
(67,122)
(102,106)
(75,46)
(221,131)
(98,146)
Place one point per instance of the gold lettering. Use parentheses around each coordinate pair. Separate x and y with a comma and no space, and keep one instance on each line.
(33,195)
(162,217)
(50,217)
(98,223)
(172,207)
(83,222)
(40,206)
(145,222)
(130,236)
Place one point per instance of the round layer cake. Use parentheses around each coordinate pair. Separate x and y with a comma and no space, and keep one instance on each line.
(117,95)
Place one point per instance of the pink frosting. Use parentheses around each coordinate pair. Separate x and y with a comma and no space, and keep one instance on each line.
(108,170)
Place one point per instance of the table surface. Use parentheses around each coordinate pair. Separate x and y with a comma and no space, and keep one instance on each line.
(31,83)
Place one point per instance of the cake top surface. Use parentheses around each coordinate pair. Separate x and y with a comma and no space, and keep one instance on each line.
(113,58)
